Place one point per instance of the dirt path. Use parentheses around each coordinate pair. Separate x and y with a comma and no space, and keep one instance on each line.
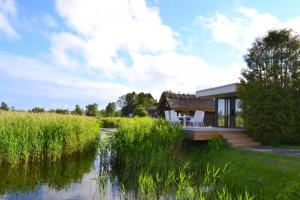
(279,150)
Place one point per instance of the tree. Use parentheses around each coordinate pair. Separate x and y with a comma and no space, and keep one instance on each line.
(78,110)
(37,109)
(270,88)
(140,111)
(127,103)
(4,106)
(111,108)
(61,111)
(131,102)
(91,110)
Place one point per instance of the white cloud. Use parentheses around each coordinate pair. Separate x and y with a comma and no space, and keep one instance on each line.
(57,82)
(108,26)
(247,24)
(100,29)
(7,12)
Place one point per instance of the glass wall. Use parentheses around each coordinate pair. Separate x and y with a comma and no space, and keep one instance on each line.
(221,112)
(229,112)
(239,122)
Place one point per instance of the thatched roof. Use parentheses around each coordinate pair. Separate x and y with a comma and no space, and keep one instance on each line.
(185,102)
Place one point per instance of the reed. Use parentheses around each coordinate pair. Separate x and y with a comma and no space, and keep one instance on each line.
(34,136)
(148,157)
(144,142)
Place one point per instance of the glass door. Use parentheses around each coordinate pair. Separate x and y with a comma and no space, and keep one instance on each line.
(224,114)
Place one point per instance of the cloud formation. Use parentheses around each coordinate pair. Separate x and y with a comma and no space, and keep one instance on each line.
(7,12)
(100,30)
(241,29)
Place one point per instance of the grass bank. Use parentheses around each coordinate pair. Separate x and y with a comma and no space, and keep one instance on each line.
(267,175)
(148,158)
(32,136)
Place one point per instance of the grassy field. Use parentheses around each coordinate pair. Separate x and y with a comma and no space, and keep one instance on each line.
(267,175)
(31,136)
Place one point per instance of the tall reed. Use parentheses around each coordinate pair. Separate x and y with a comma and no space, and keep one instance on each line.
(34,136)
(148,158)
(144,142)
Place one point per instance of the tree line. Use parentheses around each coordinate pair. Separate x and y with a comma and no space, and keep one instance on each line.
(130,104)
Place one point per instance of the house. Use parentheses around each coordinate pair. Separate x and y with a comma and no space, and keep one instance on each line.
(187,104)
(226,104)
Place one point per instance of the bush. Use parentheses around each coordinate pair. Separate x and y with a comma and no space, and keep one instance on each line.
(216,144)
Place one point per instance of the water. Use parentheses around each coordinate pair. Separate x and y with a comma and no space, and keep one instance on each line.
(79,176)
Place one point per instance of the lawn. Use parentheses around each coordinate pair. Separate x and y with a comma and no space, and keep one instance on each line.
(267,175)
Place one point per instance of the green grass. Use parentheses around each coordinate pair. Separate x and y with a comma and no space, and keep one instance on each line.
(267,175)
(32,136)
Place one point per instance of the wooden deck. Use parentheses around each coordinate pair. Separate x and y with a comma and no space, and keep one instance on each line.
(235,137)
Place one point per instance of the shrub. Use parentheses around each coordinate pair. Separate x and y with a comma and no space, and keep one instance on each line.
(216,144)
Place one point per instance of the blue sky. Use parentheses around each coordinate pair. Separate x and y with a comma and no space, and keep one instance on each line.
(58,53)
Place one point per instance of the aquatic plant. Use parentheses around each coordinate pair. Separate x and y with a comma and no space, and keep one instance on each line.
(147,157)
(34,136)
(144,142)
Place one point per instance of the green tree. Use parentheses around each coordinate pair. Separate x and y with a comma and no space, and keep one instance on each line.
(127,103)
(37,109)
(4,106)
(270,88)
(61,111)
(111,108)
(78,110)
(140,111)
(91,110)
(132,103)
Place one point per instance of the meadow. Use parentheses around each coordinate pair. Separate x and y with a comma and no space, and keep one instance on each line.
(35,136)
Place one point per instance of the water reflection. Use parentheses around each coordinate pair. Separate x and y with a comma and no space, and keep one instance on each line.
(74,177)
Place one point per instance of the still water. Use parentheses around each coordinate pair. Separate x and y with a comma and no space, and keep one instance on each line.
(79,176)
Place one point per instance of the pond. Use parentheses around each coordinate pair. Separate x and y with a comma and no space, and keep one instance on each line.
(134,168)
(79,176)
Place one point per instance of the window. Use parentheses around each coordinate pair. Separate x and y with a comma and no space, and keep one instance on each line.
(239,122)
(221,112)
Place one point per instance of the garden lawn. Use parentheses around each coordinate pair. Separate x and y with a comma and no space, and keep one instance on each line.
(266,175)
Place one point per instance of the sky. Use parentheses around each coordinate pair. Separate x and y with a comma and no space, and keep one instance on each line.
(59,53)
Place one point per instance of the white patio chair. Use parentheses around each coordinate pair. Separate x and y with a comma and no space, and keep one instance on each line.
(167,116)
(198,119)
(174,117)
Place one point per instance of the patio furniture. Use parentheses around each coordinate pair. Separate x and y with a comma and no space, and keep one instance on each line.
(185,119)
(174,117)
(198,119)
